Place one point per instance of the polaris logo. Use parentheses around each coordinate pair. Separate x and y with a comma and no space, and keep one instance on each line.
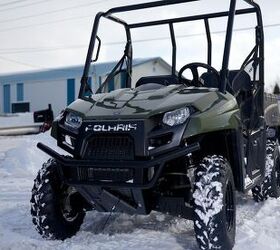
(114,128)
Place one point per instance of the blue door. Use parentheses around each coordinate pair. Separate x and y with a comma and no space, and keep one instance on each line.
(70,91)
(20,92)
(7,98)
(111,85)
(123,79)
(88,93)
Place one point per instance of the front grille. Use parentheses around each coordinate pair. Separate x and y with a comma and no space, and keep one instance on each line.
(110,147)
(105,174)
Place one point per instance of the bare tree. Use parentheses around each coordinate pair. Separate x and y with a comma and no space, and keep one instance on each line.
(276,89)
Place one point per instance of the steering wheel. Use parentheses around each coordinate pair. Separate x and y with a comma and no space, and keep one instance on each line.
(196,81)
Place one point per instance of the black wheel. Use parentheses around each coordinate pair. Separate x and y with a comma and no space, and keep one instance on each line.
(214,204)
(270,187)
(56,209)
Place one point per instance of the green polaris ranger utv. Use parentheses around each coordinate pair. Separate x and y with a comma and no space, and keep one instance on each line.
(169,144)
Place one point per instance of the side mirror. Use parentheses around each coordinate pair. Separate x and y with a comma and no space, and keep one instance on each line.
(98,49)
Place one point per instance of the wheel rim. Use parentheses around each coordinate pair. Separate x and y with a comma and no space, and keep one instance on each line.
(230,211)
(69,213)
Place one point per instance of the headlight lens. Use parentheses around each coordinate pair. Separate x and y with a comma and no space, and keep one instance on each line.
(73,121)
(176,117)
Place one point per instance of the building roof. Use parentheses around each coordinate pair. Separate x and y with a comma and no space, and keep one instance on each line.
(99,69)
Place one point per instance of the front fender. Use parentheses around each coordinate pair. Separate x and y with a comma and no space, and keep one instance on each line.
(212,121)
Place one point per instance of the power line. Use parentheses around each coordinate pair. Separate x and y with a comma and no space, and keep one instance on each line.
(53,11)
(30,49)
(191,35)
(81,46)
(45,23)
(13,2)
(20,63)
(45,49)
(76,18)
(25,5)
(272,25)
(53,22)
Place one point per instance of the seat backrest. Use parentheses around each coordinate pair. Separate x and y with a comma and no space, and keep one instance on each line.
(163,80)
(210,80)
(238,80)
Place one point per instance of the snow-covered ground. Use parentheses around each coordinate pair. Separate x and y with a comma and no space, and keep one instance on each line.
(15,120)
(18,124)
(258,225)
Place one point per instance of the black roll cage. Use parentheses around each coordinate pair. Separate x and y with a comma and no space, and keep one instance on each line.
(128,51)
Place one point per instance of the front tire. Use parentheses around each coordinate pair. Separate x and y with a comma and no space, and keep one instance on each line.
(270,187)
(56,208)
(214,204)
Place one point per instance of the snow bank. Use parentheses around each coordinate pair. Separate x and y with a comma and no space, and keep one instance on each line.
(15,120)
(258,225)
(19,156)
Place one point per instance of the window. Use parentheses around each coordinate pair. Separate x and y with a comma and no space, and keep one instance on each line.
(100,81)
(90,85)
(90,82)
(70,91)
(20,92)
(7,98)
(21,107)
(111,85)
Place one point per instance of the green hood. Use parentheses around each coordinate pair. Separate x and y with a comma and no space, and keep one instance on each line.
(133,104)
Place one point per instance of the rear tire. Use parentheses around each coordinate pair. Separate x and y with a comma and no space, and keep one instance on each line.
(214,204)
(270,187)
(56,209)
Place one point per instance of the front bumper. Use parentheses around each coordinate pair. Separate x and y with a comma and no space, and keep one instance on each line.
(85,172)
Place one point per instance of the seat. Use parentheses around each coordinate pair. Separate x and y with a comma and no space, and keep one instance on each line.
(242,87)
(210,80)
(239,81)
(164,80)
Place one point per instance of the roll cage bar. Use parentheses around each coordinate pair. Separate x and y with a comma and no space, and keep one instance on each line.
(128,26)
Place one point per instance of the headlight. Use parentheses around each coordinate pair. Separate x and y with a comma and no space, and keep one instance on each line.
(176,117)
(73,121)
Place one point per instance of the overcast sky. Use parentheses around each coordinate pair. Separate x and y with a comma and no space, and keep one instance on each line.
(42,34)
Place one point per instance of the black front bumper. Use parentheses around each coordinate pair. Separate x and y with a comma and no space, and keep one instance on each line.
(72,171)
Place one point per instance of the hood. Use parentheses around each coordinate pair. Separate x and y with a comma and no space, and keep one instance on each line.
(133,104)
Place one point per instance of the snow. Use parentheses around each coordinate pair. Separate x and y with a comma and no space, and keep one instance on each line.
(203,194)
(208,198)
(258,225)
(18,124)
(15,120)
(269,164)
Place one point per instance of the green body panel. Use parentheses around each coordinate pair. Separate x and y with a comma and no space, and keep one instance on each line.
(211,122)
(214,110)
(223,115)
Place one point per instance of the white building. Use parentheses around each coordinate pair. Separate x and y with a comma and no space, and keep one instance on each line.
(31,91)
